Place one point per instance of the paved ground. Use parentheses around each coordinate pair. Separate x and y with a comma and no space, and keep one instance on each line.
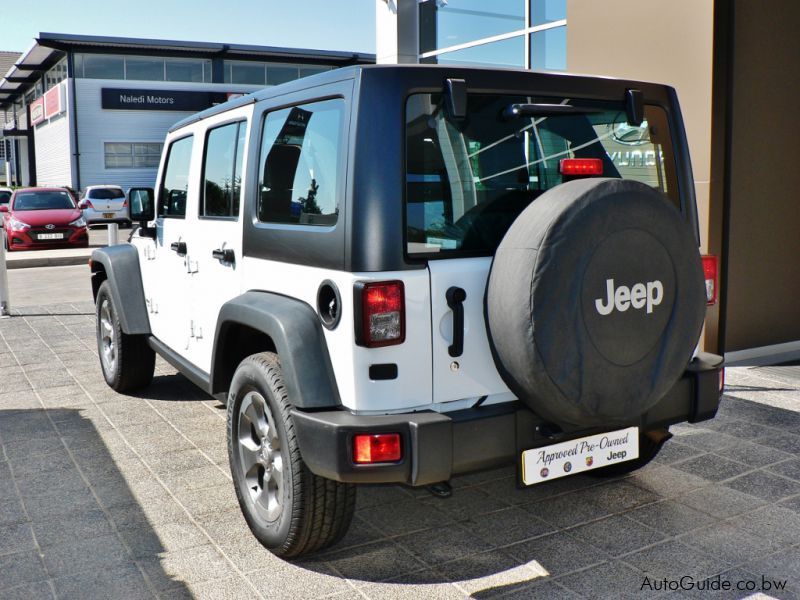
(109,496)
(40,285)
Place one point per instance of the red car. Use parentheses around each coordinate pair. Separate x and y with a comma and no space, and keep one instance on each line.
(43,218)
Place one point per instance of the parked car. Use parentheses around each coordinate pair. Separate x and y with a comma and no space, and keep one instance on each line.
(397,274)
(43,218)
(5,195)
(105,204)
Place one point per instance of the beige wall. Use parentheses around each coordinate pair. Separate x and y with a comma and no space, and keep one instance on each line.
(664,41)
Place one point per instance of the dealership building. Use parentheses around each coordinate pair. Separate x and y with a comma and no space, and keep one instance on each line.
(84,110)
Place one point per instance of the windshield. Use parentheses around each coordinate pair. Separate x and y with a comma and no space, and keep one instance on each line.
(468,180)
(43,201)
(5,196)
(105,194)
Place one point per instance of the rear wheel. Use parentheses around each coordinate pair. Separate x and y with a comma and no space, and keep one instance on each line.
(127,361)
(290,510)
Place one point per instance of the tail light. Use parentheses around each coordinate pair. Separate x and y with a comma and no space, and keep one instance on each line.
(376,448)
(710,270)
(87,204)
(380,313)
(125,203)
(722,380)
(580,167)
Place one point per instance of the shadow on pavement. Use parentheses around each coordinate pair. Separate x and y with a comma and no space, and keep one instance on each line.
(70,518)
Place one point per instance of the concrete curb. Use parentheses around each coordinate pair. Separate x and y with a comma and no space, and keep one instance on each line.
(46,261)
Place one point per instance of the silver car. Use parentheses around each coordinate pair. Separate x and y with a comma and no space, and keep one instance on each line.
(105,204)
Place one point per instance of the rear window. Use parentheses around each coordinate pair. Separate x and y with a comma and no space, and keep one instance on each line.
(467,180)
(43,201)
(105,194)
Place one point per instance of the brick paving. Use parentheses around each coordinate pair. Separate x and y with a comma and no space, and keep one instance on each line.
(110,496)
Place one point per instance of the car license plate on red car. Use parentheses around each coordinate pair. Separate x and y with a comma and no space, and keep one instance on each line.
(576,456)
(50,236)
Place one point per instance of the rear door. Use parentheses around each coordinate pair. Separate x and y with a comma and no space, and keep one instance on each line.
(107,200)
(468,180)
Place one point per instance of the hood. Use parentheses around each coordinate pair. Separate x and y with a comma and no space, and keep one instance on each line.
(60,217)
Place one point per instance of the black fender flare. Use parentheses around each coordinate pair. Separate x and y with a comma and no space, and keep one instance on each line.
(120,263)
(295,330)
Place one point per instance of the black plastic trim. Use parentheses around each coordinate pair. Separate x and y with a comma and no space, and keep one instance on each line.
(437,446)
(120,264)
(295,331)
(383,372)
(197,376)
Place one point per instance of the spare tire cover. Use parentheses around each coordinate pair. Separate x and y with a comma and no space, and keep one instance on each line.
(595,301)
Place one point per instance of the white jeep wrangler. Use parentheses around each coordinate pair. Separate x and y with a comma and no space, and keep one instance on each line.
(403,273)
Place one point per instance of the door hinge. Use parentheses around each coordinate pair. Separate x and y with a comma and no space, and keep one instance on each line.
(191,265)
(152,307)
(150,251)
(195,331)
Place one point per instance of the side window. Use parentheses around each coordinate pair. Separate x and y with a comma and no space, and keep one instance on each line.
(298,179)
(222,171)
(175,182)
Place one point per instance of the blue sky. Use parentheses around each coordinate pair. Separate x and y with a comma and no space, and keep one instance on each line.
(319,24)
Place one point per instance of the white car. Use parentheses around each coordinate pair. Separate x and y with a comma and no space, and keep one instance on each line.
(105,204)
(5,195)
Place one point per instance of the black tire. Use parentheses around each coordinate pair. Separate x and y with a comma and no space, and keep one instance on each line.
(564,337)
(290,510)
(127,361)
(650,444)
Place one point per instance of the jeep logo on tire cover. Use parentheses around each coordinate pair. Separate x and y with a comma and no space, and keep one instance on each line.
(627,295)
(637,297)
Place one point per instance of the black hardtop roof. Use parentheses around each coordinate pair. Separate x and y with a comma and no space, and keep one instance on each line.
(364,71)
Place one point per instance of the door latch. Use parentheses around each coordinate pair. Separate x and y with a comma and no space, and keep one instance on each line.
(455,297)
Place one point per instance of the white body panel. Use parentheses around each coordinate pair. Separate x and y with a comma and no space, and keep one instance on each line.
(473,374)
(53,153)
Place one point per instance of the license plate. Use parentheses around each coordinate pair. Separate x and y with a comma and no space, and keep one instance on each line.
(108,215)
(51,236)
(577,456)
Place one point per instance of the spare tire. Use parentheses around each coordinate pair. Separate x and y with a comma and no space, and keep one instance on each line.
(595,302)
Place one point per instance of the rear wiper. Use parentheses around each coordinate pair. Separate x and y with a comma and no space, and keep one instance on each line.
(514,111)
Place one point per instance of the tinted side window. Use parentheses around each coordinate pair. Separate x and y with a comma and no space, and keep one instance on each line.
(222,171)
(175,183)
(300,163)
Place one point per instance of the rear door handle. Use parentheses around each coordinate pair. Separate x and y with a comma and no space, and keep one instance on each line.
(224,254)
(455,300)
(179,247)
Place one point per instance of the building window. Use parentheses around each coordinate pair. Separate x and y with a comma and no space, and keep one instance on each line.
(259,73)
(142,68)
(517,33)
(132,155)
(56,74)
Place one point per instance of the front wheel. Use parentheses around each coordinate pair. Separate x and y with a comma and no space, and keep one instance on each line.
(290,510)
(128,362)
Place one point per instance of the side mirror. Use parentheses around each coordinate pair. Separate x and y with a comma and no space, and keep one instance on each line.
(3,208)
(142,205)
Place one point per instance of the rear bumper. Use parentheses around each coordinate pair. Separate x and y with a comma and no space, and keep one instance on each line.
(437,446)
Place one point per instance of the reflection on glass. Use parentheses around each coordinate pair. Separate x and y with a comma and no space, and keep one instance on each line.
(505,53)
(549,49)
(277,75)
(250,74)
(144,69)
(185,70)
(547,11)
(460,21)
(103,67)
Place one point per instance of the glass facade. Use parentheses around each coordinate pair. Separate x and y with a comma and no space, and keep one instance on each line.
(517,33)
(142,68)
(263,73)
